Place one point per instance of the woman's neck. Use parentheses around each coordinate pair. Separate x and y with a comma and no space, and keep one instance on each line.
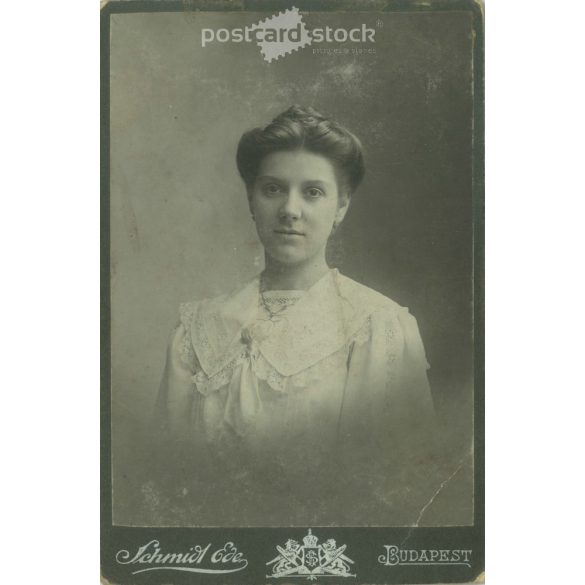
(277,276)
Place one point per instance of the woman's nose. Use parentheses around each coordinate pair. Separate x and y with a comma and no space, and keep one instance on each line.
(292,206)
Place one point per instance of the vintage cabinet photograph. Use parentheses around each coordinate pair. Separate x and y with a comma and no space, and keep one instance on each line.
(292,292)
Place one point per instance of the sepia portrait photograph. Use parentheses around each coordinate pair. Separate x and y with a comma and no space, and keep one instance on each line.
(291,267)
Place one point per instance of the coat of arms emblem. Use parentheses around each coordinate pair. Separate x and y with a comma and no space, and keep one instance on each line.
(311,560)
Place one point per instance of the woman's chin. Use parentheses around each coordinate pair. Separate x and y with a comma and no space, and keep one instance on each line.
(288,260)
(287,256)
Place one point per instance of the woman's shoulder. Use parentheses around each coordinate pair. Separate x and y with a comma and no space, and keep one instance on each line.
(227,304)
(366,298)
(379,311)
(187,308)
(386,320)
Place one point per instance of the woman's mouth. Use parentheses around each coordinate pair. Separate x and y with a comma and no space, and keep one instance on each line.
(287,232)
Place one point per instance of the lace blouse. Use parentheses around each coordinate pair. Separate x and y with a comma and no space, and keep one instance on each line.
(310,370)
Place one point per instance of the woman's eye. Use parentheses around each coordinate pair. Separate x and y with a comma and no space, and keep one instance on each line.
(313,192)
(272,189)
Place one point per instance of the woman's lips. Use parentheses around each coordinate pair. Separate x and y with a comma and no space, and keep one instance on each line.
(289,232)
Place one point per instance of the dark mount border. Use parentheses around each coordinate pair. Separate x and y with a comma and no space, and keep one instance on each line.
(258,543)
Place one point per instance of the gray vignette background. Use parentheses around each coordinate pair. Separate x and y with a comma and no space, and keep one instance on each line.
(181,229)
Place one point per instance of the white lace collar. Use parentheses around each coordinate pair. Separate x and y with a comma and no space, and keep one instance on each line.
(317,325)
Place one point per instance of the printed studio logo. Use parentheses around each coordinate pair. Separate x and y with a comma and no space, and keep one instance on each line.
(394,556)
(285,33)
(310,559)
(198,558)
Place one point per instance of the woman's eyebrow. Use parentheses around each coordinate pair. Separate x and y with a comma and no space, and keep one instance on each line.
(317,182)
(270,178)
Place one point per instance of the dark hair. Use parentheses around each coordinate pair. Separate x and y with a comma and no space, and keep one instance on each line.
(303,127)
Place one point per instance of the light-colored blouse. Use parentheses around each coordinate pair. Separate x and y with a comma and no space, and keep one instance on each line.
(297,374)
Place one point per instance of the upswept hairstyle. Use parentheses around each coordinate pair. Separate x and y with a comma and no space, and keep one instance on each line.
(303,127)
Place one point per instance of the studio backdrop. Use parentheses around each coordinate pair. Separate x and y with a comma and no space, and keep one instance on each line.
(181,95)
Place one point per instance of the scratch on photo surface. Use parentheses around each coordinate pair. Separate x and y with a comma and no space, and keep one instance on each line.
(441,487)
(439,490)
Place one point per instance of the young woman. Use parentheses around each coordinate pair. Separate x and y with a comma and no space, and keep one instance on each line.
(304,371)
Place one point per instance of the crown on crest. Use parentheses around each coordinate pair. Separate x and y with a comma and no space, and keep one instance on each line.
(310,539)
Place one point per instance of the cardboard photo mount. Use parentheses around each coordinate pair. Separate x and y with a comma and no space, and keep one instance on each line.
(180,82)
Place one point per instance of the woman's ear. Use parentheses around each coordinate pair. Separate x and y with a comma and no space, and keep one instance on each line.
(250,204)
(344,200)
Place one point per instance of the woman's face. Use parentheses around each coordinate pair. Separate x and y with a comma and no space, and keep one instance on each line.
(295,201)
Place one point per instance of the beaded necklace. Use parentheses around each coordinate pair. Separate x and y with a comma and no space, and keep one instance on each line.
(284,302)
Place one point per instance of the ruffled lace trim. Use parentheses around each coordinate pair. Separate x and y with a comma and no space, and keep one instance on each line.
(205,384)
(266,372)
